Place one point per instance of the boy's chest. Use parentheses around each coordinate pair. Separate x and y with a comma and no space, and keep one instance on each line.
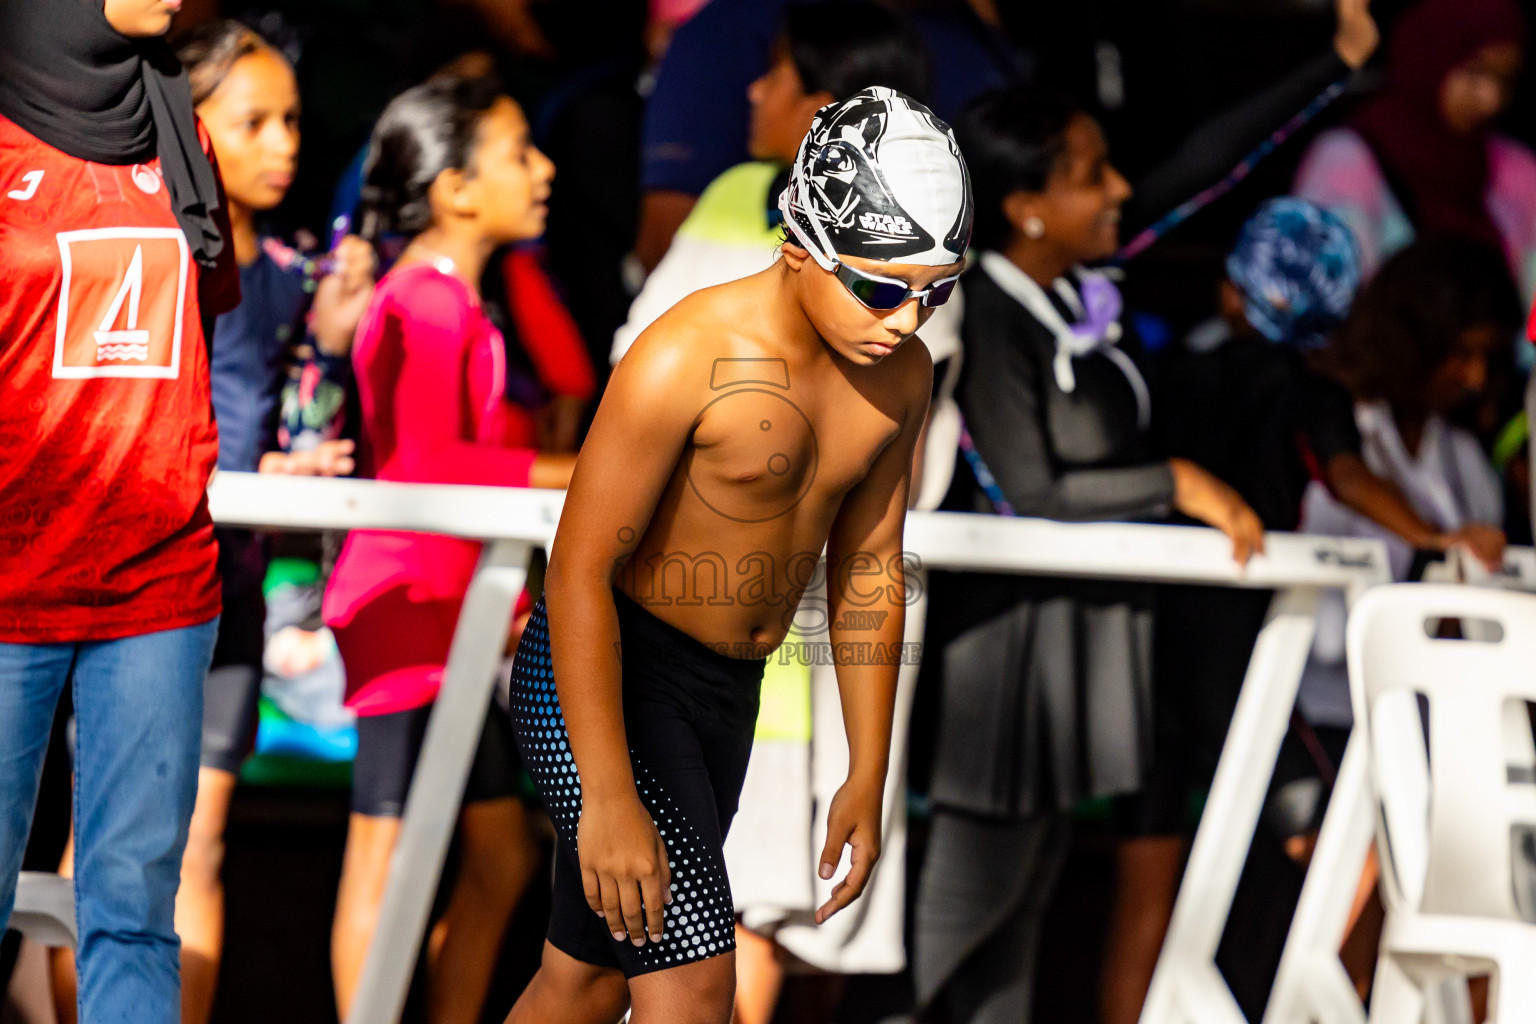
(761,449)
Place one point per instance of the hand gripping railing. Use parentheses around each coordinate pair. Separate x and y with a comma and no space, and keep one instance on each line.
(512,522)
(1187,987)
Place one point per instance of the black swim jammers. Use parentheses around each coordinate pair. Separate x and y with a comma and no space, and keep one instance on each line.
(689,714)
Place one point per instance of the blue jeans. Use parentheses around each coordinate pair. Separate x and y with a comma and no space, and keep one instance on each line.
(139,716)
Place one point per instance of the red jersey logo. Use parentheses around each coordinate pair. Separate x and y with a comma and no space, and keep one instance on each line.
(120,303)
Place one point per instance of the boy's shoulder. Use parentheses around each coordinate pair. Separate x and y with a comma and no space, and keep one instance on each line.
(676,351)
(709,319)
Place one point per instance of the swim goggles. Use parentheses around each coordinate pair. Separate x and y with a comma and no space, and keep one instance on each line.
(879,294)
(883,294)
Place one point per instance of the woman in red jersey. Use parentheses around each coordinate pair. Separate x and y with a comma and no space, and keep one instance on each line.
(246,97)
(116,256)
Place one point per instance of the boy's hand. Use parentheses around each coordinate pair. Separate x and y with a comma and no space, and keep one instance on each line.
(624,870)
(853,819)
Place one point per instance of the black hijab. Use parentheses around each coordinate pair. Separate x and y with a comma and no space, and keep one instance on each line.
(73,81)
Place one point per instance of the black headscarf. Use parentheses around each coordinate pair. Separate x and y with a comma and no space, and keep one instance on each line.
(73,81)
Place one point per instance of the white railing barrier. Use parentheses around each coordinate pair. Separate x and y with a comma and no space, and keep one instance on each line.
(1186,987)
(512,523)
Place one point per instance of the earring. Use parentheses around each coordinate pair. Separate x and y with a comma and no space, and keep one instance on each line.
(1034,227)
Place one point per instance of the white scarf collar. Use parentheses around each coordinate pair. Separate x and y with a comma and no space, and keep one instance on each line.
(1423,475)
(1070,345)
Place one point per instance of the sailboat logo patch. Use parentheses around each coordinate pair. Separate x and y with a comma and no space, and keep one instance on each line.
(120,303)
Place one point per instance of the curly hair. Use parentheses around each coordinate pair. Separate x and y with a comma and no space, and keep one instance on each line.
(1407,320)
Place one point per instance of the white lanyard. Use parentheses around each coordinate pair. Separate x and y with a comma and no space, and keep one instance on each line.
(1423,476)
(1069,344)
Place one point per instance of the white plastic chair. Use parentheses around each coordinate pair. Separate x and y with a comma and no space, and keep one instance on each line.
(1449,816)
(45,908)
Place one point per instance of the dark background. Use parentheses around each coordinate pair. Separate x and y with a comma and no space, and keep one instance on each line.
(1180,62)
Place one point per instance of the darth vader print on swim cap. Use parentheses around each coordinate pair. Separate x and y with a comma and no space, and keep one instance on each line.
(879,176)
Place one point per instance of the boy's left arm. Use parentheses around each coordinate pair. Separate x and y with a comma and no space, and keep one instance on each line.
(866,607)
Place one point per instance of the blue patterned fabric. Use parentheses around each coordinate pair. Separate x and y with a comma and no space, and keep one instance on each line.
(1297,266)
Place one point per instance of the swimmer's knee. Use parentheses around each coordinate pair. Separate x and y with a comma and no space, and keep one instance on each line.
(583,983)
(720,985)
(696,993)
(714,992)
(608,990)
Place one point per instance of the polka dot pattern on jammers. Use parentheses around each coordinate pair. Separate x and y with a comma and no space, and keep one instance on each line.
(688,766)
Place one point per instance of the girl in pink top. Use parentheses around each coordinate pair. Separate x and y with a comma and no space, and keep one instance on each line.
(450,166)
(430,376)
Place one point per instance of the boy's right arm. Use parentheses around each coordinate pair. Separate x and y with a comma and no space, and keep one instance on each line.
(634,446)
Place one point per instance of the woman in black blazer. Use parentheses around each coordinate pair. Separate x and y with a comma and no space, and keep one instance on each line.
(1046,683)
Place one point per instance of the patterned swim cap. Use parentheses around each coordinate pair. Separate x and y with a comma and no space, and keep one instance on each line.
(1297,266)
(880,177)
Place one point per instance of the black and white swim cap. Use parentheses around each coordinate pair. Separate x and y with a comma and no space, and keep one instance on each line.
(879,177)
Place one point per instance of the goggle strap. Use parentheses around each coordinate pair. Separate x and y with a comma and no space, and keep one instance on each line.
(830,265)
(819,251)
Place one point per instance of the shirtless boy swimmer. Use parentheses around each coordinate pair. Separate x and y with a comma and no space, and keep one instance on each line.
(749,427)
